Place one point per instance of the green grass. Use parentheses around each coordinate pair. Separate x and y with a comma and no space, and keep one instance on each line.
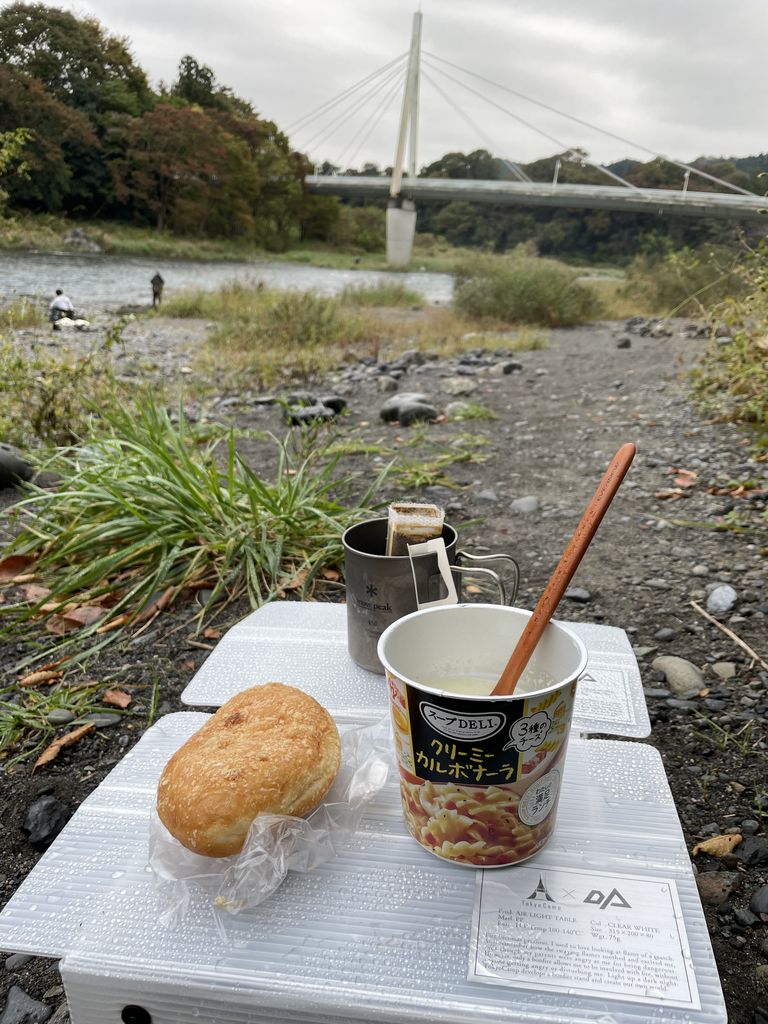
(26,722)
(387,293)
(144,510)
(686,282)
(522,289)
(21,313)
(475,411)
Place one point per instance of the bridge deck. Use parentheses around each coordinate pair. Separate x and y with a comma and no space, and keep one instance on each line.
(606,197)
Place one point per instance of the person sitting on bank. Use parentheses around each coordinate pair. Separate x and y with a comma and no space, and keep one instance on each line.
(60,307)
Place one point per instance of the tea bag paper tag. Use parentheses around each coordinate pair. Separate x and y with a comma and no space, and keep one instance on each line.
(434,546)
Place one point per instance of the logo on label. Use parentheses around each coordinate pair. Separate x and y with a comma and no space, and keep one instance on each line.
(613,899)
(539,799)
(529,732)
(458,726)
(540,893)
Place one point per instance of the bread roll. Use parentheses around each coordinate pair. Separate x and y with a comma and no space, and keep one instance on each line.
(271,749)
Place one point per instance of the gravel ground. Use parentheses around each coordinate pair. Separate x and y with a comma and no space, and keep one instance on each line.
(560,417)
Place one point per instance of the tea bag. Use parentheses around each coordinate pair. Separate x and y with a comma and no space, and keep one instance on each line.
(412,524)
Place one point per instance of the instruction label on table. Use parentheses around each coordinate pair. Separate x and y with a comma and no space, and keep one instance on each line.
(582,933)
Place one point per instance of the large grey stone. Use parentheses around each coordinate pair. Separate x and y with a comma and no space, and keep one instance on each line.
(13,468)
(390,410)
(417,412)
(45,818)
(683,678)
(20,1009)
(458,386)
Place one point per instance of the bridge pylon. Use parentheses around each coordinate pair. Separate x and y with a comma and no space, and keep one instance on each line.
(401,211)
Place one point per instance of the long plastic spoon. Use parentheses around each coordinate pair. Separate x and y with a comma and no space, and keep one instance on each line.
(566,567)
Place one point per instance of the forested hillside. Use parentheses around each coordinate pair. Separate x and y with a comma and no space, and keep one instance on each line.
(83,133)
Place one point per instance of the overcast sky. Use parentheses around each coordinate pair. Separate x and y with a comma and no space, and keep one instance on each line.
(682,77)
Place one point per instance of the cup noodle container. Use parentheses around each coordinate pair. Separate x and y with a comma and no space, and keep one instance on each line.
(479,776)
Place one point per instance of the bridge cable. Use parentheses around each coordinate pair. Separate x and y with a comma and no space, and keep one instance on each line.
(540,131)
(340,96)
(375,120)
(603,131)
(513,167)
(323,134)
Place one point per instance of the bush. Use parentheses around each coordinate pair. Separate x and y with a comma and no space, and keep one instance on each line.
(384,294)
(359,227)
(687,282)
(524,290)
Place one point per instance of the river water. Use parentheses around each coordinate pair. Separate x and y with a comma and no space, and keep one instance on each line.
(106,282)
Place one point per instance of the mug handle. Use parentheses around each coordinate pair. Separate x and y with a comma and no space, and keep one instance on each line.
(510,599)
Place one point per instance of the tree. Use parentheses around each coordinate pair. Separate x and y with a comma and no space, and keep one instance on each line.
(56,138)
(479,165)
(75,59)
(196,84)
(12,165)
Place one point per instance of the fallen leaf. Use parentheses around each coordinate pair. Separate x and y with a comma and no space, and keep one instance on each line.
(51,752)
(188,664)
(472,589)
(156,603)
(718,846)
(11,566)
(685,481)
(737,787)
(669,495)
(85,615)
(212,634)
(331,574)
(58,625)
(39,677)
(296,582)
(33,592)
(116,698)
(115,623)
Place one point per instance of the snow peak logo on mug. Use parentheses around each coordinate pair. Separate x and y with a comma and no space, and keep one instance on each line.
(459,726)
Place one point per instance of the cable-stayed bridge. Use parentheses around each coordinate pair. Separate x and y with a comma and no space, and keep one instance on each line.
(370,99)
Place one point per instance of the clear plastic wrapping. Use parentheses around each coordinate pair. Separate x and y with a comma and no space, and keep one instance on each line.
(276,843)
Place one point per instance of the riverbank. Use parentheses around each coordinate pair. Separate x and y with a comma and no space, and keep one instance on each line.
(558,417)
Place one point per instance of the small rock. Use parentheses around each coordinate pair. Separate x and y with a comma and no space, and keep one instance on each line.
(387,383)
(759,902)
(578,594)
(300,398)
(487,495)
(390,411)
(624,343)
(683,678)
(44,819)
(743,917)
(103,721)
(716,886)
(458,386)
(16,961)
(753,851)
(13,468)
(511,366)
(20,1009)
(657,584)
(529,503)
(700,570)
(721,599)
(59,716)
(750,827)
(665,633)
(417,412)
(724,669)
(54,992)
(61,1016)
(299,415)
(332,401)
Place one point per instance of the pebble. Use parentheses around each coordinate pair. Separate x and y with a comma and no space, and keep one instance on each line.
(743,917)
(716,886)
(724,669)
(103,721)
(59,716)
(332,401)
(13,467)
(298,415)
(20,1009)
(458,386)
(721,599)
(44,819)
(579,594)
(527,504)
(750,827)
(759,902)
(624,343)
(390,410)
(16,961)
(664,634)
(657,584)
(753,852)
(416,412)
(683,678)
(700,570)
(488,495)
(61,1016)
(387,383)
(54,992)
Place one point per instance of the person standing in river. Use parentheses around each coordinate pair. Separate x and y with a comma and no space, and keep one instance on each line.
(61,306)
(157,290)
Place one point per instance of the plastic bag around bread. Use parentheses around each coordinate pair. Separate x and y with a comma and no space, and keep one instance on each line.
(276,843)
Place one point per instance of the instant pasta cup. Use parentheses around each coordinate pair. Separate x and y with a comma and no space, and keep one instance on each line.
(479,775)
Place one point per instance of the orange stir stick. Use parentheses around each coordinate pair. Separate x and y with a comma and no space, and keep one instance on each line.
(566,567)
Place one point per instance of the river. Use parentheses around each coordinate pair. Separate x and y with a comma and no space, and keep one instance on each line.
(106,282)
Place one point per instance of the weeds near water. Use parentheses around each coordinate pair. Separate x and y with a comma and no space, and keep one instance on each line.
(144,517)
(382,294)
(474,411)
(21,313)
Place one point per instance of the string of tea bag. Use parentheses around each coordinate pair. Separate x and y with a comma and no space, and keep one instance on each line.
(409,523)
